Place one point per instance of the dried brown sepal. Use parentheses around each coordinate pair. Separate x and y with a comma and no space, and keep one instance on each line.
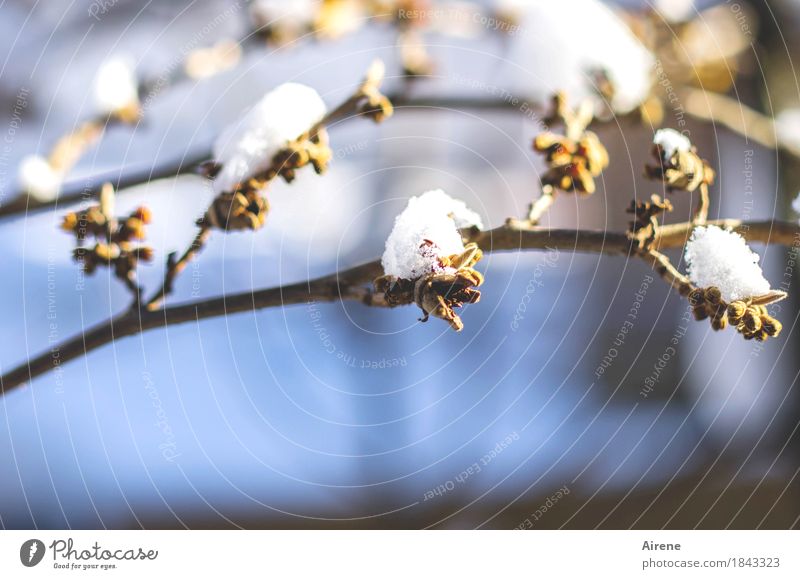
(750,318)
(438,293)
(397,291)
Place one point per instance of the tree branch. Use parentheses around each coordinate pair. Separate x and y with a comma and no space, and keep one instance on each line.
(349,284)
(705,106)
(175,267)
(89,188)
(736,117)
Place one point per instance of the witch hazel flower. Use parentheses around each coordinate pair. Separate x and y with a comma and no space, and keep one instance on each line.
(730,286)
(426,261)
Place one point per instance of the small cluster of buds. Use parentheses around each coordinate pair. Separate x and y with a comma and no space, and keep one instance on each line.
(242,205)
(438,293)
(679,168)
(575,158)
(572,165)
(310,148)
(749,317)
(306,150)
(645,218)
(238,211)
(115,239)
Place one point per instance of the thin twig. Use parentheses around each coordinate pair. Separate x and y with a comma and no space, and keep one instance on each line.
(536,210)
(668,272)
(175,267)
(89,188)
(68,149)
(701,211)
(348,284)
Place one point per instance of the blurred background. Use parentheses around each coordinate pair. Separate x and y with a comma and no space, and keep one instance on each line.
(342,416)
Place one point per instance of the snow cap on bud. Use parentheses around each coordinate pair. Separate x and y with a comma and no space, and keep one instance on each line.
(426,230)
(38,178)
(722,259)
(671,141)
(115,85)
(248,146)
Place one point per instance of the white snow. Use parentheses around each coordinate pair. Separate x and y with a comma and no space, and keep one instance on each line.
(38,178)
(115,85)
(559,45)
(787,125)
(796,204)
(297,13)
(248,146)
(720,258)
(426,229)
(675,10)
(671,141)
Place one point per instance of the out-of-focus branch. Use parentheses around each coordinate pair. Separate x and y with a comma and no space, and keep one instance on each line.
(736,117)
(89,188)
(176,266)
(701,212)
(699,104)
(350,284)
